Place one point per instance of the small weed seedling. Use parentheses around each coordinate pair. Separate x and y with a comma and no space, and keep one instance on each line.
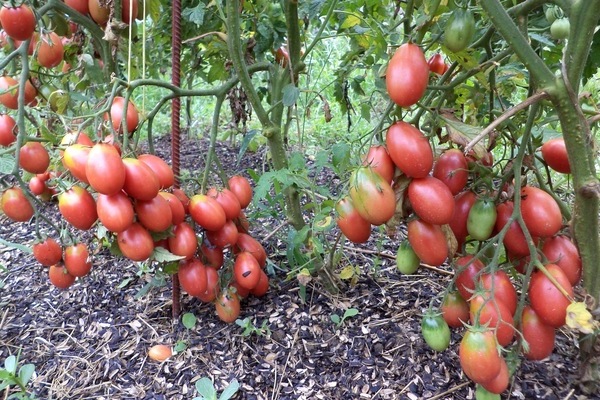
(351,312)
(207,391)
(9,377)
(250,328)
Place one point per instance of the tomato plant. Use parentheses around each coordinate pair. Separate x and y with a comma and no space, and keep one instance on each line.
(468,267)
(227,305)
(7,129)
(184,241)
(228,200)
(247,243)
(50,51)
(60,277)
(117,110)
(246,270)
(462,206)
(225,237)
(161,169)
(560,250)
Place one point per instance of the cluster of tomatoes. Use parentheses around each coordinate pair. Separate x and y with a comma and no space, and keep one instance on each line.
(446,220)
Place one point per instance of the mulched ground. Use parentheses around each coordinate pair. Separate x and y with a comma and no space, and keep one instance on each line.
(91,341)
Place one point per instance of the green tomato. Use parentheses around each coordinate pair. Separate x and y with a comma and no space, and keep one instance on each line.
(482,394)
(481,219)
(459,31)
(560,28)
(435,331)
(407,261)
(551,13)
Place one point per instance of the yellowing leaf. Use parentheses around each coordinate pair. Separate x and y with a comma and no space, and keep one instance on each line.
(350,21)
(304,277)
(347,272)
(579,318)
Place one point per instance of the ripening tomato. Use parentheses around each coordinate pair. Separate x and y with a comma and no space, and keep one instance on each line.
(98,13)
(467,268)
(455,309)
(207,212)
(462,206)
(78,207)
(428,241)
(437,65)
(75,159)
(379,159)
(76,137)
(241,188)
(452,169)
(407,75)
(373,198)
(435,331)
(177,210)
(351,223)
(246,270)
(514,240)
(227,305)
(212,285)
(34,158)
(60,277)
(500,383)
(184,241)
(228,200)
(155,215)
(479,356)
(409,149)
(117,109)
(104,169)
(494,314)
(192,276)
(47,252)
(79,5)
(212,255)
(50,51)
(8,129)
(9,89)
(77,260)
(135,242)
(247,243)
(554,152)
(501,287)
(18,22)
(539,336)
(225,237)
(115,211)
(262,287)
(547,301)
(15,205)
(141,182)
(540,212)
(163,171)
(431,200)
(560,250)
(37,186)
(482,219)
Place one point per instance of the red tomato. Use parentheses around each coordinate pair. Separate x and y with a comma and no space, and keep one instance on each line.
(560,250)
(9,88)
(50,51)
(104,169)
(246,270)
(155,215)
(177,210)
(129,11)
(207,212)
(282,56)
(494,314)
(184,241)
(180,194)
(163,171)
(241,188)
(467,268)
(437,65)
(502,289)
(262,287)
(75,159)
(225,237)
(555,154)
(98,13)
(539,336)
(18,22)
(452,169)
(227,305)
(78,207)
(240,291)
(141,182)
(135,242)
(228,200)
(76,137)
(60,277)
(462,205)
(547,301)
(431,200)
(500,383)
(212,255)
(409,149)
(351,223)
(34,158)
(479,356)
(47,252)
(250,245)
(77,260)
(428,242)
(212,285)
(373,198)
(79,5)
(8,129)
(117,109)
(407,75)
(379,159)
(192,276)
(540,212)
(514,241)
(15,205)
(455,309)
(115,211)
(37,186)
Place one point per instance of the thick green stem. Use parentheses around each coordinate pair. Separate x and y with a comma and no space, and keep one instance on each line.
(584,18)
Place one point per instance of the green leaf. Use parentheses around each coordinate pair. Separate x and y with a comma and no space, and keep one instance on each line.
(335,318)
(180,346)
(340,156)
(205,387)
(593,61)
(162,255)
(351,312)
(230,390)
(290,95)
(25,373)
(18,246)
(195,14)
(350,21)
(7,161)
(245,143)
(188,320)
(365,111)
(10,364)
